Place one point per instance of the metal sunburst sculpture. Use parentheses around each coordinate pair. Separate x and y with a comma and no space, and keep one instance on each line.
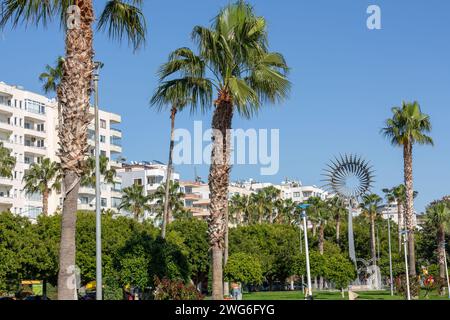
(350,177)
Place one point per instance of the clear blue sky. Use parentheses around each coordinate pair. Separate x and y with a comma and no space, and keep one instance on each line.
(345,80)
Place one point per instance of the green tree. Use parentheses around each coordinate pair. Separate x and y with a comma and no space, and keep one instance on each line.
(121,20)
(245,74)
(7,162)
(194,244)
(107,174)
(42,178)
(408,126)
(438,215)
(176,204)
(243,268)
(134,201)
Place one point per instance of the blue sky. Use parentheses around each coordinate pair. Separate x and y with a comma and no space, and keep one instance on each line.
(345,80)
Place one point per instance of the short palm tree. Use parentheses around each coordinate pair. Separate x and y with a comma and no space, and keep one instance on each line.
(7,162)
(320,214)
(272,194)
(176,204)
(121,19)
(245,74)
(438,215)
(107,174)
(236,208)
(339,211)
(408,126)
(42,178)
(135,201)
(369,205)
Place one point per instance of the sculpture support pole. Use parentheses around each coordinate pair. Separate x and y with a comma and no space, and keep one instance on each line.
(351,241)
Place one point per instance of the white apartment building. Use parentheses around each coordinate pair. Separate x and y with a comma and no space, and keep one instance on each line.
(150,175)
(28,127)
(391,210)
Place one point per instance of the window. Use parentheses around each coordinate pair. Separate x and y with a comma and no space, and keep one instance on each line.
(154,179)
(296,194)
(115,202)
(84,200)
(103,153)
(40,127)
(102,139)
(102,124)
(138,182)
(104,202)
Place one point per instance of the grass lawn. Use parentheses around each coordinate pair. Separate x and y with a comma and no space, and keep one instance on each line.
(297,295)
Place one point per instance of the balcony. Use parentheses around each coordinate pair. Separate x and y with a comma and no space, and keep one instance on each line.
(6,200)
(5,126)
(116,132)
(6,181)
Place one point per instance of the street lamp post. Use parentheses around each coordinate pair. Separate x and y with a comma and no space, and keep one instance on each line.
(390,256)
(308,271)
(405,234)
(98,217)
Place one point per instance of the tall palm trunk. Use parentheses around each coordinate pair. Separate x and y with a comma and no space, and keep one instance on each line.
(373,249)
(219,175)
(45,202)
(74,96)
(441,255)
(226,288)
(166,216)
(400,224)
(321,237)
(407,157)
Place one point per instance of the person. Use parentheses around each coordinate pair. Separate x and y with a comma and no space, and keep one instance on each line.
(235,290)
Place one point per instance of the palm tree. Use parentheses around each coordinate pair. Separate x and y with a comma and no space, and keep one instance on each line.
(286,210)
(438,215)
(42,178)
(176,204)
(107,174)
(7,162)
(369,205)
(134,201)
(245,74)
(339,211)
(51,78)
(121,20)
(271,194)
(407,127)
(237,208)
(177,95)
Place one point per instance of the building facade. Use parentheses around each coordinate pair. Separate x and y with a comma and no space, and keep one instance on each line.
(28,127)
(150,175)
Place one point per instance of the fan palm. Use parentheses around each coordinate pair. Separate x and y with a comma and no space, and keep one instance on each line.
(369,205)
(245,74)
(42,178)
(107,174)
(408,126)
(438,215)
(339,211)
(135,201)
(175,202)
(120,19)
(177,94)
(7,162)
(237,208)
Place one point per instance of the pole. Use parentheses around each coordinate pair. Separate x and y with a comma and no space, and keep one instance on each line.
(98,217)
(408,293)
(308,272)
(390,256)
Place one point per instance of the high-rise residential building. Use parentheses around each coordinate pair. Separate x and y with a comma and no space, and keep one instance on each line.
(28,127)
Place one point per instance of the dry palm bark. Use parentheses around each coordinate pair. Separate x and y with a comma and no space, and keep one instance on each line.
(74,95)
(219,176)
